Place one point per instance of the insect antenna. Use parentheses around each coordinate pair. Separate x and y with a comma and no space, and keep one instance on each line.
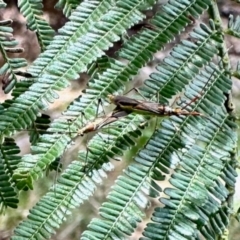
(203,90)
(199,94)
(206,84)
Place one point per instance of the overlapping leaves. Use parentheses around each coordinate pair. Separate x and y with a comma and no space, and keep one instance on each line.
(32,11)
(109,81)
(126,201)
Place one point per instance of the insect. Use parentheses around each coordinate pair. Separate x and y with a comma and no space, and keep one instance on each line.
(41,125)
(148,108)
(102,122)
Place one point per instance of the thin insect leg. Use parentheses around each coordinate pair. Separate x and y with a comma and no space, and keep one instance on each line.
(59,166)
(81,119)
(87,149)
(100,123)
(172,122)
(134,88)
(100,103)
(86,162)
(86,158)
(65,149)
(56,175)
(83,116)
(156,121)
(174,101)
(108,134)
(96,125)
(174,125)
(87,153)
(199,95)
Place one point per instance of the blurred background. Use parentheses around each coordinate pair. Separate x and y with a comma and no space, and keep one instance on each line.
(79,219)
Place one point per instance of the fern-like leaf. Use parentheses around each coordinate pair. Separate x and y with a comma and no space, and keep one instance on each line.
(73,187)
(68,6)
(234,26)
(198,148)
(80,179)
(8,163)
(9,45)
(154,160)
(58,83)
(101,87)
(200,170)
(32,10)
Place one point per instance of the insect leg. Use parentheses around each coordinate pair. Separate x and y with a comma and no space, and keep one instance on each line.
(206,84)
(136,90)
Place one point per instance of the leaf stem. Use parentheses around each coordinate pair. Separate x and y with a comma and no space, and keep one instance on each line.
(223,50)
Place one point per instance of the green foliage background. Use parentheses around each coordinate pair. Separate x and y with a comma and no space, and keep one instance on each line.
(195,154)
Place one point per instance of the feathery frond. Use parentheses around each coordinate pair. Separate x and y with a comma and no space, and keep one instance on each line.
(67,6)
(196,150)
(60,143)
(32,11)
(9,45)
(54,78)
(68,194)
(81,181)
(8,163)
(154,160)
(146,44)
(193,182)
(234,26)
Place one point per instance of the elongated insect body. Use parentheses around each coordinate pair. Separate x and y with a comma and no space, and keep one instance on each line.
(148,108)
(166,110)
(132,105)
(101,122)
(42,127)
